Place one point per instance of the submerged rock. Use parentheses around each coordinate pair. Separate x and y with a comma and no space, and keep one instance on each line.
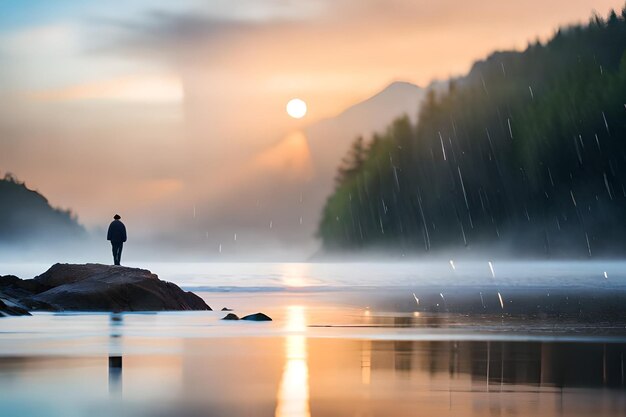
(230,316)
(96,287)
(257,317)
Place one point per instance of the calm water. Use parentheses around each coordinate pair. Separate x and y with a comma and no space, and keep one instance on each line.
(442,273)
(341,343)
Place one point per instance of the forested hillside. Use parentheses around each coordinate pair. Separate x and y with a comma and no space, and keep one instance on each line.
(26,218)
(525,153)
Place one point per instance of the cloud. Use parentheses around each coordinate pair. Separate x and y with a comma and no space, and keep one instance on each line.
(49,38)
(144,88)
(168,35)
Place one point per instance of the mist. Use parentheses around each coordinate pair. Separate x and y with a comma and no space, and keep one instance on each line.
(174,117)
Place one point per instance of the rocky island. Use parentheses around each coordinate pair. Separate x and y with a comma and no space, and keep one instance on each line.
(94,287)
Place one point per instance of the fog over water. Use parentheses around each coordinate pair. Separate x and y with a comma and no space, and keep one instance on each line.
(407,273)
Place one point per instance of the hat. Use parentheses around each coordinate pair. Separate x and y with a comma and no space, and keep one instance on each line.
(117,217)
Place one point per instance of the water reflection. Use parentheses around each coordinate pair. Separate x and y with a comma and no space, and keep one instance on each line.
(293,393)
(366,362)
(305,372)
(294,275)
(327,377)
(489,364)
(116,321)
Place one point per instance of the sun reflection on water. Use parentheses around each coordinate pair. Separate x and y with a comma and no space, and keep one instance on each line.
(295,275)
(293,393)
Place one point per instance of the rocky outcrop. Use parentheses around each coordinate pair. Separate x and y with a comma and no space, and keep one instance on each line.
(230,316)
(10,309)
(11,290)
(257,317)
(95,287)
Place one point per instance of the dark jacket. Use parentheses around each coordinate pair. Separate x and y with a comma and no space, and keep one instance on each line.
(117,231)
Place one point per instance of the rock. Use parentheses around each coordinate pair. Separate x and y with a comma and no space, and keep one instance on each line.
(257,317)
(11,290)
(95,287)
(10,309)
(250,317)
(11,287)
(227,309)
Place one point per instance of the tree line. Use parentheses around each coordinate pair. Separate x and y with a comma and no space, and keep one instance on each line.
(526,153)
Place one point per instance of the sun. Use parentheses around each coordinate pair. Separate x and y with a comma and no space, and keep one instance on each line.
(296,108)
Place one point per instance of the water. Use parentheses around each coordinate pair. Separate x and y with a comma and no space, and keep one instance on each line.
(346,339)
(276,276)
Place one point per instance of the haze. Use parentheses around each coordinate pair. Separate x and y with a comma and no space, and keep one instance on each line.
(174,115)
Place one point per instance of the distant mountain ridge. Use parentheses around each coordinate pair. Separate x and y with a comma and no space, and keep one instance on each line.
(329,139)
(294,176)
(27,218)
(397,98)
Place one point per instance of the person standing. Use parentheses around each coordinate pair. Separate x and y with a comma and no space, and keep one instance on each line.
(117,236)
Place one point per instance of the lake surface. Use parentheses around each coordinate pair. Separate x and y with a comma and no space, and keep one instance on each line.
(319,276)
(366,339)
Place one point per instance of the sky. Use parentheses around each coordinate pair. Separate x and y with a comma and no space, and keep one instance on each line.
(172,111)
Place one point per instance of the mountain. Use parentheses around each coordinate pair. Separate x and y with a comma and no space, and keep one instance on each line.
(279,210)
(329,139)
(524,155)
(27,219)
(325,142)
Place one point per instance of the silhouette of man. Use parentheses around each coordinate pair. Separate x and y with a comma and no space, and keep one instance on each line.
(117,236)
